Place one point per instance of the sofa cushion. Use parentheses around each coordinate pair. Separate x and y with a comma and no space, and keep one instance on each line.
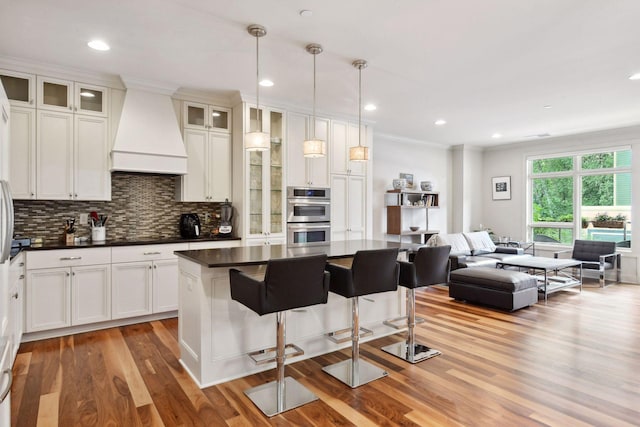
(480,242)
(458,243)
(494,278)
(477,261)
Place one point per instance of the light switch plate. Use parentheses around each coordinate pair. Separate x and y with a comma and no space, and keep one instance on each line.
(84,219)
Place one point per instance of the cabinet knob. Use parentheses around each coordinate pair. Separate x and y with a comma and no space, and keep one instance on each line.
(15,295)
(149,267)
(21,277)
(67,274)
(155,266)
(71,107)
(75,195)
(73,274)
(70,196)
(31,101)
(32,195)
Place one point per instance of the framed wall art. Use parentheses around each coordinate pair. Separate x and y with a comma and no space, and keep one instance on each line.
(501,187)
(409,178)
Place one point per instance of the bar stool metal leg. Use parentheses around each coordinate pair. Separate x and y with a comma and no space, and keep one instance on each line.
(411,351)
(283,394)
(355,372)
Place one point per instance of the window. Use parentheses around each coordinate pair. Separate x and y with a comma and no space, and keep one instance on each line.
(581,196)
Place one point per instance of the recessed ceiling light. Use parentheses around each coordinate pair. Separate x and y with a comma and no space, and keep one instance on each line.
(496,135)
(87,94)
(370,107)
(548,106)
(98,45)
(305,13)
(215,114)
(440,122)
(635,76)
(266,83)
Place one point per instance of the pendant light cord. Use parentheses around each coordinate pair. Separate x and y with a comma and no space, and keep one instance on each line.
(359,106)
(313,125)
(258,115)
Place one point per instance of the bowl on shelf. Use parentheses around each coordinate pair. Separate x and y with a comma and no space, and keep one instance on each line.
(399,183)
(414,228)
(426,186)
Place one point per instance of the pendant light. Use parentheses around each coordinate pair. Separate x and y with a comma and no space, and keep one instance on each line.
(257,140)
(314,147)
(359,153)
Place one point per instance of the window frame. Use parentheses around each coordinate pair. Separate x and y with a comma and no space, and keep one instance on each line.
(577,173)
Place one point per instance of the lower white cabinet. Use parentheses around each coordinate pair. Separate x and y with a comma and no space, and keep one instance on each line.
(16,302)
(131,289)
(144,279)
(348,202)
(48,299)
(90,294)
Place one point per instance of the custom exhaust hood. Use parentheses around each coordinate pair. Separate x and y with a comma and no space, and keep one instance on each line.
(148,138)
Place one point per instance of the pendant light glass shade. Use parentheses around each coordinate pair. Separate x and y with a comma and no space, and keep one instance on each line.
(257,140)
(314,147)
(359,153)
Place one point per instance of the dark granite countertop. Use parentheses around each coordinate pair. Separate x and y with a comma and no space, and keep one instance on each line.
(254,255)
(110,242)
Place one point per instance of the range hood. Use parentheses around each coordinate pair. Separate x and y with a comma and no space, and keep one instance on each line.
(148,138)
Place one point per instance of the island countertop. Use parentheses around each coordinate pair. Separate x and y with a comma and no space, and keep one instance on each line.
(255,255)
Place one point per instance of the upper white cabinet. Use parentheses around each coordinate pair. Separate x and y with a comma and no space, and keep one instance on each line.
(207,140)
(20,88)
(72,157)
(205,117)
(69,96)
(265,195)
(301,171)
(59,138)
(344,136)
(23,153)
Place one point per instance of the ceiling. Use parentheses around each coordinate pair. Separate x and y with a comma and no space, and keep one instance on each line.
(484,66)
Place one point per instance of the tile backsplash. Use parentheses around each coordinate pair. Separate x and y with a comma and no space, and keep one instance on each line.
(142,207)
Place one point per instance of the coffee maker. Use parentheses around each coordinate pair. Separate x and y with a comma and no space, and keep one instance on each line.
(189,226)
(226,214)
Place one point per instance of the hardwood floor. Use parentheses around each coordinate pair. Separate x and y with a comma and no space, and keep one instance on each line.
(573,362)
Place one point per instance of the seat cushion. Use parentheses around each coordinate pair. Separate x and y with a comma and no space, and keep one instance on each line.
(480,242)
(477,261)
(591,265)
(459,245)
(504,257)
(493,278)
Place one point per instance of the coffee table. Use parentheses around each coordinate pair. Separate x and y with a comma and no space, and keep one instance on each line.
(553,274)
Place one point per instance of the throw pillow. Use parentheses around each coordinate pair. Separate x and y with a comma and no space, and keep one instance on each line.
(480,242)
(458,243)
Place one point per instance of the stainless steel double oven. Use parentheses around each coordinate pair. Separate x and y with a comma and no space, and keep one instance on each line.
(308,216)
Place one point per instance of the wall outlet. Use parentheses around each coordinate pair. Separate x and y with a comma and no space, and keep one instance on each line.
(84,219)
(207,218)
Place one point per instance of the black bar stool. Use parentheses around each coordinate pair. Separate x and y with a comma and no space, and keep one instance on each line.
(288,284)
(372,271)
(430,267)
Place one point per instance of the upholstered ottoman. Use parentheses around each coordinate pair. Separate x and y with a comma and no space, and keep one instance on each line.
(505,289)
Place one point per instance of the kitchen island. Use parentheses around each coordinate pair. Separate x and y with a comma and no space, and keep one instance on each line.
(216,333)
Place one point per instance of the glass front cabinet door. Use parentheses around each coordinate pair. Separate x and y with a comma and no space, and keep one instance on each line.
(206,117)
(266,192)
(20,88)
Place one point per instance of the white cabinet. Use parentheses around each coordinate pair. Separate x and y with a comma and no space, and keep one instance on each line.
(344,136)
(264,194)
(23,153)
(67,287)
(303,171)
(208,175)
(16,302)
(205,117)
(348,207)
(74,97)
(144,279)
(72,157)
(48,299)
(131,289)
(90,294)
(20,88)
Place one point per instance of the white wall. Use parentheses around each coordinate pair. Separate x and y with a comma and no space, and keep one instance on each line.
(427,162)
(466,197)
(508,217)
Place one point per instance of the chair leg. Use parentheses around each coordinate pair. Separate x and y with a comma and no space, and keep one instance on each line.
(410,350)
(283,394)
(355,372)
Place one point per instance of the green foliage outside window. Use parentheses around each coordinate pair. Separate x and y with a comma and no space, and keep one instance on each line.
(554,164)
(553,199)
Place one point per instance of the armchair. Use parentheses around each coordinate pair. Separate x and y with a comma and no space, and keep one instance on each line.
(595,255)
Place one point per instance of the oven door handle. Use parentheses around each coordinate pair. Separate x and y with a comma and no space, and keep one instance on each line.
(308,226)
(308,202)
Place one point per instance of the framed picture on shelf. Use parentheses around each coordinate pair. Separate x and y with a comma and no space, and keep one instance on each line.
(409,178)
(501,187)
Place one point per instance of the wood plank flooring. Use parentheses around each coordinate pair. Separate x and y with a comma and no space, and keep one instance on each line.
(572,362)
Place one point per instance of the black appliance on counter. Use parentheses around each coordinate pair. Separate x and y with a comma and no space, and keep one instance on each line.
(189,226)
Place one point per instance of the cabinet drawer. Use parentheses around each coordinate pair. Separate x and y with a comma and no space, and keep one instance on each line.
(68,257)
(146,252)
